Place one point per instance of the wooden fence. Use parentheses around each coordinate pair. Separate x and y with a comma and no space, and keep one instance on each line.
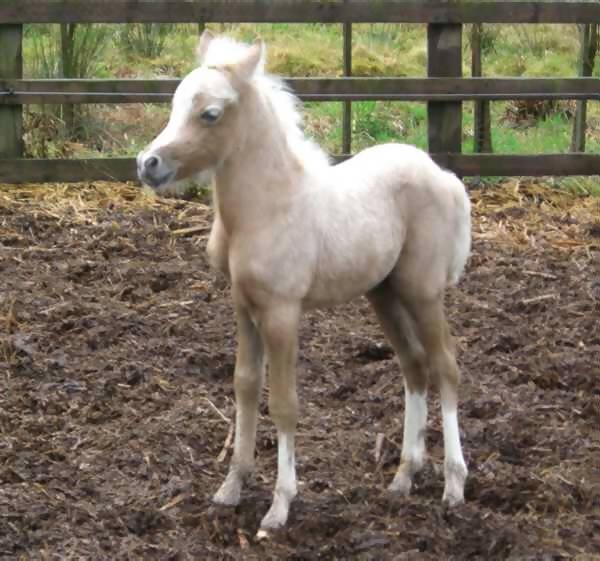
(444,89)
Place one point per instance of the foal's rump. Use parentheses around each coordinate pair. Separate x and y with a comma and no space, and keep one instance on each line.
(431,203)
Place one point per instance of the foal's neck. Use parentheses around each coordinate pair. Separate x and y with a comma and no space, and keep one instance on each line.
(263,174)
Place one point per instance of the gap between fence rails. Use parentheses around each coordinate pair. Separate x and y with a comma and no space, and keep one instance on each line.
(325,96)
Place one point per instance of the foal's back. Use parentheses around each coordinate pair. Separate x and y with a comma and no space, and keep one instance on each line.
(388,208)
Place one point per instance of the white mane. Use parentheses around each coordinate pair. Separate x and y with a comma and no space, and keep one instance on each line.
(223,51)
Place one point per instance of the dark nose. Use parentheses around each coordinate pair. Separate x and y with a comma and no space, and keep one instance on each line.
(151,163)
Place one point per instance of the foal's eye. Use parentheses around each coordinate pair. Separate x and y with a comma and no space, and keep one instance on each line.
(211,115)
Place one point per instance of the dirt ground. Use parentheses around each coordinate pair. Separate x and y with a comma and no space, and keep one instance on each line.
(116,360)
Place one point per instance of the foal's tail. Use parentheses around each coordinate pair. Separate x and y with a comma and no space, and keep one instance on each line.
(462,231)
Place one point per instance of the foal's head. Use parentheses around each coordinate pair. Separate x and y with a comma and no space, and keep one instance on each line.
(203,127)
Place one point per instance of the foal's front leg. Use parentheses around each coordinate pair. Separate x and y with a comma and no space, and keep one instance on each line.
(218,246)
(248,378)
(279,328)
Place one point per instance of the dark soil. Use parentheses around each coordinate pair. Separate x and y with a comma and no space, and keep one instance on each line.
(117,348)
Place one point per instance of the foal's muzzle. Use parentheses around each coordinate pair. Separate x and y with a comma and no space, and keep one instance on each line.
(153,170)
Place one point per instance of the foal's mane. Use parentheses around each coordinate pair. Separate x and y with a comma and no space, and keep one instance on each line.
(223,51)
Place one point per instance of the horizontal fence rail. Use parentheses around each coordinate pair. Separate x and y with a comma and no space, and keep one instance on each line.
(310,89)
(124,169)
(294,11)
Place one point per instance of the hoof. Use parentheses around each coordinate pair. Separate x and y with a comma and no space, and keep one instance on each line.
(278,513)
(229,494)
(274,519)
(400,486)
(225,500)
(455,475)
(453,499)
(262,535)
(402,483)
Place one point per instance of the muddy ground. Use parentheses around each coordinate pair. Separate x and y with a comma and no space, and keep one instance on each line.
(116,362)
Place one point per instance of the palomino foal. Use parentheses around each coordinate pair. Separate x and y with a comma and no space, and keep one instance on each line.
(293,232)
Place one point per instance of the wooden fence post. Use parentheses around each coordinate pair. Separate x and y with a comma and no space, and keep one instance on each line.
(589,45)
(11,67)
(482,128)
(444,118)
(347,116)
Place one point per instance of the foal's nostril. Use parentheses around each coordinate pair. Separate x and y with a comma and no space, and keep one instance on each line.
(151,162)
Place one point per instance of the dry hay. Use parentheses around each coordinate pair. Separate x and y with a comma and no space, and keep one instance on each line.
(81,203)
(525,213)
(519,212)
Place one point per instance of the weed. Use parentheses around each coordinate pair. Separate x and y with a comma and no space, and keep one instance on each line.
(144,39)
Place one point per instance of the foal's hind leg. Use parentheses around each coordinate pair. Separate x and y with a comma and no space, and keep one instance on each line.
(399,329)
(434,334)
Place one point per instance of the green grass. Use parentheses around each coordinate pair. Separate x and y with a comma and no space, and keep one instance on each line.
(378,50)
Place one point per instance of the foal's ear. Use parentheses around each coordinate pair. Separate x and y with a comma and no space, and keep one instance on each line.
(205,39)
(253,58)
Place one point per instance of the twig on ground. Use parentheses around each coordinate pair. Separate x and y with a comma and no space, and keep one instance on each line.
(217,410)
(540,274)
(540,298)
(223,454)
(378,446)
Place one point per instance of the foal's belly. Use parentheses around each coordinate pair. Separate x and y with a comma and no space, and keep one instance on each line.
(336,282)
(359,244)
